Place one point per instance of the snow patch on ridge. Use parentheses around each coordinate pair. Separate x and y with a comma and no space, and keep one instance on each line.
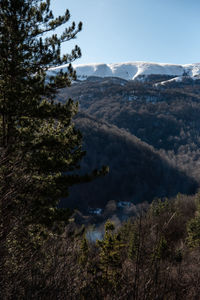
(175,79)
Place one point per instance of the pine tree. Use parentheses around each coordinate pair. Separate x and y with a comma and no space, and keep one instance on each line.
(83,252)
(40,147)
(110,257)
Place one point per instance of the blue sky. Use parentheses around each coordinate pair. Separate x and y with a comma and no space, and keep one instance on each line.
(165,31)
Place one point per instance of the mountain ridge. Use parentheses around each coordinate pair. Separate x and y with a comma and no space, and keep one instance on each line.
(133,70)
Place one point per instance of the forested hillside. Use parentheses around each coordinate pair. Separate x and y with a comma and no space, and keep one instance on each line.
(137,171)
(147,132)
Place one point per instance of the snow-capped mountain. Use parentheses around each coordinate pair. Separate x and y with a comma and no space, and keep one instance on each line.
(134,70)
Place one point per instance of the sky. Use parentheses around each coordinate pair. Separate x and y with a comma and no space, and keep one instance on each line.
(116,31)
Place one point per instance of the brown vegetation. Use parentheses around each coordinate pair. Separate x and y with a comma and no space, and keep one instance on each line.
(155,255)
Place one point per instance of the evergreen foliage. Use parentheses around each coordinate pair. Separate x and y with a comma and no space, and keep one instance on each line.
(110,259)
(84,252)
(40,149)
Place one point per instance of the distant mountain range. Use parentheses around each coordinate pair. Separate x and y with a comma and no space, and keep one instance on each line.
(135,70)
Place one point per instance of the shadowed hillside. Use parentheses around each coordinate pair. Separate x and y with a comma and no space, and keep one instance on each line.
(164,116)
(137,172)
